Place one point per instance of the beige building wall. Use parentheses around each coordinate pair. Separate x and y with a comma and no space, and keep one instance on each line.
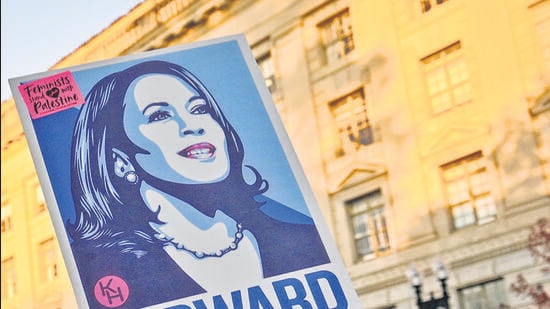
(502,54)
(33,272)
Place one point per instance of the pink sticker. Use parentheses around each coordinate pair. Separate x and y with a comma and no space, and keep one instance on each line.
(111,291)
(51,94)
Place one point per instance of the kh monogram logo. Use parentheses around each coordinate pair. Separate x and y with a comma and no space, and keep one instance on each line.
(111,291)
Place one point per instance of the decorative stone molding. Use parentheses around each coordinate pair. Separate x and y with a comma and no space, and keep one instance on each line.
(394,274)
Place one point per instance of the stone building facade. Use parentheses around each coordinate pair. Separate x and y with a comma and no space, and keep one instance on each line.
(423,127)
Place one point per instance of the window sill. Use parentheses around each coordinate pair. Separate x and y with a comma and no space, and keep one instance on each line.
(330,68)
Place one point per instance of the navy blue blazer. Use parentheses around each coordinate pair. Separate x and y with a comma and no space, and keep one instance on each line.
(288,241)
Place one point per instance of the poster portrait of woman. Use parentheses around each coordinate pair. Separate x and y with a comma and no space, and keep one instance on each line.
(170,181)
(158,179)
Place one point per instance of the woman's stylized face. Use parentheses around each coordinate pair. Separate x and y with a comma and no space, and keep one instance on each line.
(172,122)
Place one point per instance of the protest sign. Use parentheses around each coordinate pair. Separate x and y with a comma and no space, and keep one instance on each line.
(171,183)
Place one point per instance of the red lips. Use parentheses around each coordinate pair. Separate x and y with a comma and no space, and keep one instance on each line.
(198,151)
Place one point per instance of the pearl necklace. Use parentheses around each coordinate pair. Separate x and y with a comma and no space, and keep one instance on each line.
(203,254)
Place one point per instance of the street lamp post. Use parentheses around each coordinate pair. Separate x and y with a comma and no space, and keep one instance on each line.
(432,303)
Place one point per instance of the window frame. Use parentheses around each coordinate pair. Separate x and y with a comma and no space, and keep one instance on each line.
(483,285)
(473,196)
(7,218)
(268,56)
(9,271)
(355,129)
(49,263)
(40,199)
(450,64)
(342,43)
(373,231)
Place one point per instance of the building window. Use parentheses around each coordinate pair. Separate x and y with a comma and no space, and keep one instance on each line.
(426,5)
(352,122)
(467,186)
(9,282)
(11,130)
(336,36)
(490,294)
(39,199)
(265,63)
(368,221)
(447,78)
(6,218)
(48,260)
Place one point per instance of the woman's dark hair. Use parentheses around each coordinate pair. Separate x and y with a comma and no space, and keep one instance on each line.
(109,211)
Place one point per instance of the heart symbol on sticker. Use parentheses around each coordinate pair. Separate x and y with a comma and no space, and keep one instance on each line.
(53,93)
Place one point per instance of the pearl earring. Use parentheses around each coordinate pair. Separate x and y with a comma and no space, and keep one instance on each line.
(131,177)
